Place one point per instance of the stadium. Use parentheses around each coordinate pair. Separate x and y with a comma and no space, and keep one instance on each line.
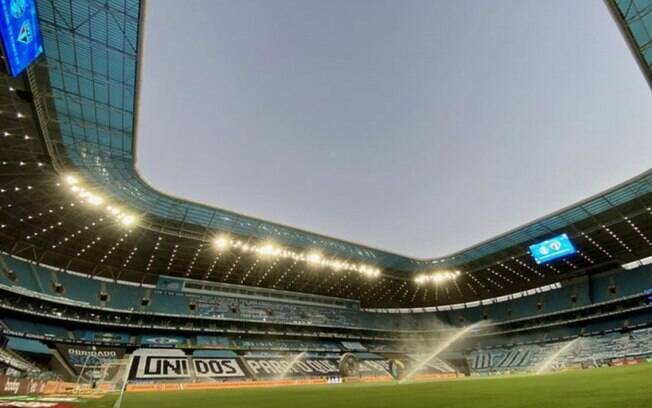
(115,294)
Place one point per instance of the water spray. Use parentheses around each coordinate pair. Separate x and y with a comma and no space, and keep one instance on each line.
(562,350)
(292,363)
(441,347)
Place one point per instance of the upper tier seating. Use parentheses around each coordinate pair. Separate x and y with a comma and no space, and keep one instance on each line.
(103,293)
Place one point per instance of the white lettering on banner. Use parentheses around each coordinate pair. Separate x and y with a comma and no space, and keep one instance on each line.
(161,340)
(253,366)
(268,367)
(162,367)
(175,364)
(105,354)
(276,366)
(217,367)
(12,386)
(33,388)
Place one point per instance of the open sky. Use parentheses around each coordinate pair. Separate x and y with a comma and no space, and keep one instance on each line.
(418,126)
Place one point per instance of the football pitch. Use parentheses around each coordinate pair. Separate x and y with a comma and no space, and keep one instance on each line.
(626,387)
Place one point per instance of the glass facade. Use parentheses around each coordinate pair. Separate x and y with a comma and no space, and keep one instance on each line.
(635,18)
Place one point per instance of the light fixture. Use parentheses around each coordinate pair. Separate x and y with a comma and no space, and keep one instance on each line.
(437,277)
(222,242)
(70,179)
(269,249)
(128,220)
(90,197)
(314,258)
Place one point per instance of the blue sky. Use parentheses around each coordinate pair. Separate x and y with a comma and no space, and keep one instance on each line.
(421,127)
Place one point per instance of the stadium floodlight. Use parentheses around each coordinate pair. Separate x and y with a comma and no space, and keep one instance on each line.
(71,180)
(637,263)
(437,277)
(128,220)
(95,199)
(87,196)
(268,249)
(314,258)
(222,242)
(271,249)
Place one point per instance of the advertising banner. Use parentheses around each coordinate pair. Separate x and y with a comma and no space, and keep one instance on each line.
(14,386)
(276,366)
(162,341)
(94,362)
(153,364)
(217,368)
(153,367)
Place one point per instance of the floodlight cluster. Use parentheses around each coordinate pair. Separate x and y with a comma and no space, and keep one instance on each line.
(437,277)
(313,258)
(223,242)
(93,199)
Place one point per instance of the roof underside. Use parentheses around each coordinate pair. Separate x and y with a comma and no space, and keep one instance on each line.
(634,17)
(85,94)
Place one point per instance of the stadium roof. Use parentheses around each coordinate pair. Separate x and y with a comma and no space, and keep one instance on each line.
(634,18)
(81,100)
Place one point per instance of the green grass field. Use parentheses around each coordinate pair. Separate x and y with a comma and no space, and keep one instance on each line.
(624,387)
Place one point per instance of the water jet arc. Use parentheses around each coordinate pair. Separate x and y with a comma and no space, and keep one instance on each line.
(545,366)
(293,362)
(441,347)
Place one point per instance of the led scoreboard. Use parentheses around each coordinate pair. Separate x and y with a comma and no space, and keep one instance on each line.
(21,38)
(551,249)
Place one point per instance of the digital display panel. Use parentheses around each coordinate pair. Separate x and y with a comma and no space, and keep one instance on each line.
(21,38)
(553,248)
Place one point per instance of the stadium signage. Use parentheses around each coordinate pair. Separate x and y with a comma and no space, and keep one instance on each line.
(19,31)
(217,367)
(101,354)
(150,367)
(551,249)
(161,341)
(264,367)
(90,355)
(106,337)
(88,359)
(150,364)
(13,386)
